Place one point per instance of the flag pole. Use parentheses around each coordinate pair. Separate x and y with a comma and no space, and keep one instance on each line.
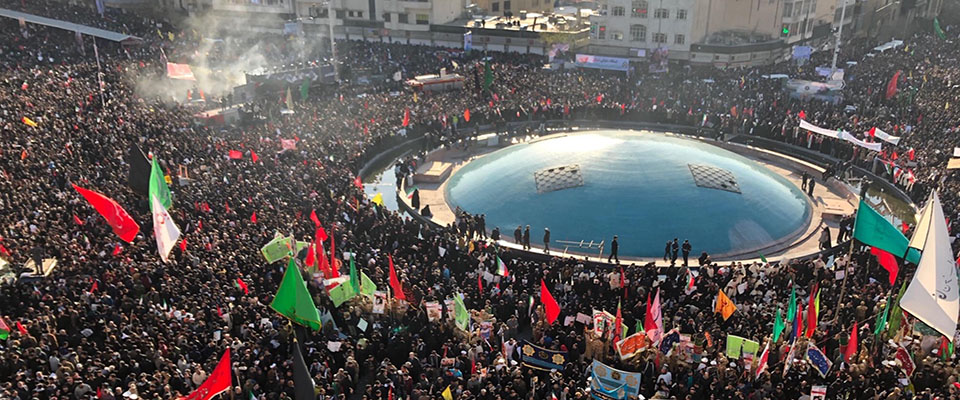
(843,285)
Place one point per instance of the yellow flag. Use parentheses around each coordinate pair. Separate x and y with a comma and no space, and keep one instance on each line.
(170,36)
(29,122)
(946,106)
(724,305)
(415,97)
(160,34)
(447,395)
(378,199)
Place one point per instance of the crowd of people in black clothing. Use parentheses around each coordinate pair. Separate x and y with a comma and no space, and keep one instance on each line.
(113,321)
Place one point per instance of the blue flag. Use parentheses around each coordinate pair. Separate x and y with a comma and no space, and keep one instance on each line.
(818,361)
(666,344)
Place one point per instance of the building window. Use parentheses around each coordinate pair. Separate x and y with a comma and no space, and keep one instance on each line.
(639,9)
(618,11)
(386,17)
(602,32)
(423,19)
(495,6)
(638,33)
(340,14)
(659,37)
(787,10)
(661,13)
(616,35)
(681,14)
(402,18)
(506,5)
(678,39)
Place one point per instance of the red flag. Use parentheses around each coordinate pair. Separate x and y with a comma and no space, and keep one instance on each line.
(623,282)
(406,116)
(236,155)
(199,225)
(94,287)
(873,132)
(904,227)
(892,85)
(618,325)
(599,98)
(358,183)
(21,329)
(315,219)
(802,114)
(894,157)
(395,281)
(4,251)
(911,154)
(852,345)
(334,268)
(549,303)
(812,312)
(466,115)
(799,321)
(887,261)
(480,284)
(219,312)
(218,382)
(116,216)
(253,156)
(243,285)
(117,249)
(77,220)
(183,245)
(310,256)
(322,264)
(648,322)
(320,234)
(253,217)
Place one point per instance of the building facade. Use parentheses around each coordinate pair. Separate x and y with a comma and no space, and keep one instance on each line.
(514,7)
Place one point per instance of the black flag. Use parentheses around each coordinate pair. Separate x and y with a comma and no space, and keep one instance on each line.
(302,381)
(139,177)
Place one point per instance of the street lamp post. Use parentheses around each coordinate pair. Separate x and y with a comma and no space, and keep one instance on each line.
(836,46)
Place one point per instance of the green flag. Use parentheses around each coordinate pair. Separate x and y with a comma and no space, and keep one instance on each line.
(895,314)
(4,329)
(460,313)
(158,186)
(881,320)
(252,397)
(750,347)
(936,28)
(487,75)
(279,248)
(354,277)
(304,89)
(792,308)
(778,325)
(733,346)
(345,290)
(762,258)
(293,299)
(874,230)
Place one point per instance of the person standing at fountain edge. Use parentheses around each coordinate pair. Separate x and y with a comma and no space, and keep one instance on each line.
(546,240)
(666,251)
(803,180)
(810,185)
(518,235)
(686,251)
(614,249)
(674,251)
(526,238)
(825,238)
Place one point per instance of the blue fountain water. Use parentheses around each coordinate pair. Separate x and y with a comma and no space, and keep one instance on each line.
(636,185)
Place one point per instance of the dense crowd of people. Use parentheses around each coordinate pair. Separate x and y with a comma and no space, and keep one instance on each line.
(113,321)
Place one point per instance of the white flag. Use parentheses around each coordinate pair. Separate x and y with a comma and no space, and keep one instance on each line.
(164,229)
(762,365)
(932,295)
(923,226)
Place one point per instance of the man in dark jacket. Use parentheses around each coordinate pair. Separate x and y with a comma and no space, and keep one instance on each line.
(614,249)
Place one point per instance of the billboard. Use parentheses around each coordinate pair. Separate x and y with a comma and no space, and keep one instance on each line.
(601,62)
